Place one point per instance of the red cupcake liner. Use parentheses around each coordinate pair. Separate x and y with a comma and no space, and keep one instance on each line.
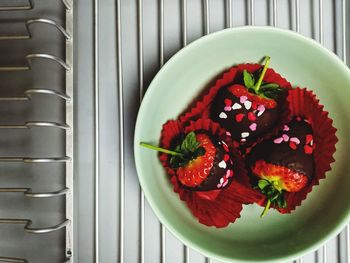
(304,103)
(213,208)
(202,105)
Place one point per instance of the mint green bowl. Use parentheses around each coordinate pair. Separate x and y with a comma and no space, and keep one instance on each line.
(276,237)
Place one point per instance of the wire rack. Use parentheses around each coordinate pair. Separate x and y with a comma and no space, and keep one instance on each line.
(147,34)
(28,142)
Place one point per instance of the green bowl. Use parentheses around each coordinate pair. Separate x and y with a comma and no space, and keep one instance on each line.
(276,237)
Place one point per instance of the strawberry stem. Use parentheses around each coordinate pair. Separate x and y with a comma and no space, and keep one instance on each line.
(159,149)
(267,206)
(262,75)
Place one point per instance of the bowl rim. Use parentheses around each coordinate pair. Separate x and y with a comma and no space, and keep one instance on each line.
(284,32)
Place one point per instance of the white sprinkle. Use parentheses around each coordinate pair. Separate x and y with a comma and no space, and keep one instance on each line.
(223,115)
(247,104)
(236,106)
(222,164)
(221,180)
(244,134)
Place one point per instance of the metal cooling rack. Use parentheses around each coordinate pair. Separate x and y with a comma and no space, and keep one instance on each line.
(148,32)
(18,12)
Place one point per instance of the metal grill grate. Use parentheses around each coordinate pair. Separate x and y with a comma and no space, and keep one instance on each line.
(289,13)
(16,79)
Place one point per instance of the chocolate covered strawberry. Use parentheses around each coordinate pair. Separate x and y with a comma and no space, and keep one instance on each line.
(249,108)
(201,161)
(284,164)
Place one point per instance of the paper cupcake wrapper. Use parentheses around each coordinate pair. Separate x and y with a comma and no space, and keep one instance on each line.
(213,208)
(201,106)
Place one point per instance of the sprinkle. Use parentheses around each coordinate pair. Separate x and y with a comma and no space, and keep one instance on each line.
(286,128)
(239,117)
(242,99)
(295,140)
(308,149)
(261,110)
(252,126)
(223,115)
(278,140)
(218,185)
(221,180)
(226,157)
(236,106)
(244,134)
(247,104)
(228,102)
(228,133)
(251,116)
(243,140)
(225,183)
(292,145)
(309,138)
(222,164)
(285,137)
(227,108)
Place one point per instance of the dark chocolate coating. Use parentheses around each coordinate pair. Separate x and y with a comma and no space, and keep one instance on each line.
(264,122)
(216,173)
(282,154)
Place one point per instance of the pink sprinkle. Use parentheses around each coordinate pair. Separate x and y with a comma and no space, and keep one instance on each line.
(227,108)
(285,137)
(261,110)
(225,183)
(221,180)
(228,133)
(218,185)
(278,140)
(228,173)
(253,126)
(295,139)
(242,99)
(286,128)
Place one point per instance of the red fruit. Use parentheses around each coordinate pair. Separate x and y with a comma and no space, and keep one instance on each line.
(254,109)
(196,171)
(280,177)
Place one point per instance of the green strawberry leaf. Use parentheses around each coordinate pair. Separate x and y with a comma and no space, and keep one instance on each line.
(249,80)
(269,86)
(189,150)
(263,183)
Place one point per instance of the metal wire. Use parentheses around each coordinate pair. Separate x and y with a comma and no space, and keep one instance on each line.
(28,225)
(274,12)
(121,133)
(251,17)
(206,12)
(229,22)
(184,22)
(96,133)
(297,16)
(140,64)
(320,20)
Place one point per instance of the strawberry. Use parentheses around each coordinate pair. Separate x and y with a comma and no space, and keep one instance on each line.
(250,110)
(284,164)
(201,161)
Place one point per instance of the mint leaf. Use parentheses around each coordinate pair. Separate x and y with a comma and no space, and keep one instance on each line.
(248,79)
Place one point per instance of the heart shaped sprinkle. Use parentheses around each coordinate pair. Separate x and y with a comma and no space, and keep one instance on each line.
(236,106)
(223,115)
(252,126)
